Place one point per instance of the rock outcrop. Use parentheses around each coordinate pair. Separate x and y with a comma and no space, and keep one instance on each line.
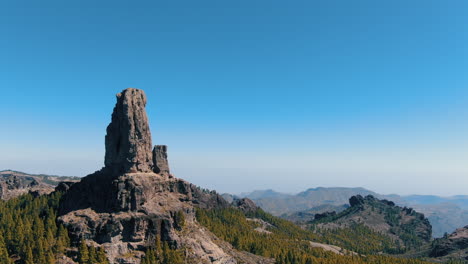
(128,139)
(324,215)
(161,165)
(246,205)
(133,200)
(64,186)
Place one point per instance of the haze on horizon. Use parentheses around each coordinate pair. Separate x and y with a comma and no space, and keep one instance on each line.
(247,95)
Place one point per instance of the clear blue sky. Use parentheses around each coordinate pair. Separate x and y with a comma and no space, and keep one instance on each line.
(247,94)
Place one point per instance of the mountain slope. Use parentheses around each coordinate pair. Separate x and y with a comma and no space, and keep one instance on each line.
(454,245)
(263,234)
(445,213)
(403,227)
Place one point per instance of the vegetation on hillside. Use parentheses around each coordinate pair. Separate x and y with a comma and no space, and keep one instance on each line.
(91,255)
(285,242)
(29,233)
(359,238)
(28,230)
(161,253)
(409,228)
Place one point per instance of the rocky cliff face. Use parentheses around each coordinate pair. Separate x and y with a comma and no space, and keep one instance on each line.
(133,199)
(161,165)
(128,139)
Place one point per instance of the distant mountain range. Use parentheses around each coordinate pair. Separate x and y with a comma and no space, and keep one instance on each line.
(445,213)
(15,183)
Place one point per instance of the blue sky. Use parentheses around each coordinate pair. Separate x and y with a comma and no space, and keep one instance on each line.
(247,94)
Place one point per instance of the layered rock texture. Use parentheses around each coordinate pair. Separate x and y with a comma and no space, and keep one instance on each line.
(128,139)
(161,165)
(133,200)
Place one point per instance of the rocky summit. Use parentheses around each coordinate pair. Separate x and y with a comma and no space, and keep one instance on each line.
(128,138)
(403,226)
(134,200)
(161,165)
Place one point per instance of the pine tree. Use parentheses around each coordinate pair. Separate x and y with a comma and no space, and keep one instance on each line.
(62,241)
(165,253)
(174,257)
(157,247)
(180,219)
(4,257)
(83,253)
(39,251)
(50,258)
(29,258)
(101,256)
(150,257)
(92,255)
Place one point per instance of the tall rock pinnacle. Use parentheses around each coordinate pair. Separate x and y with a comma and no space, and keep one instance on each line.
(128,139)
(161,165)
(134,200)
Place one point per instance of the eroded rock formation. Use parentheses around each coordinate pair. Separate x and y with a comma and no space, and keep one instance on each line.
(245,205)
(133,199)
(128,139)
(161,165)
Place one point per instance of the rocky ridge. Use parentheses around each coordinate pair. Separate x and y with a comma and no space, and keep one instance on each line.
(454,245)
(128,138)
(445,213)
(134,199)
(401,224)
(16,183)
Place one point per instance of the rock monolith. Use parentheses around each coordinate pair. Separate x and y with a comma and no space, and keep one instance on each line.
(128,139)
